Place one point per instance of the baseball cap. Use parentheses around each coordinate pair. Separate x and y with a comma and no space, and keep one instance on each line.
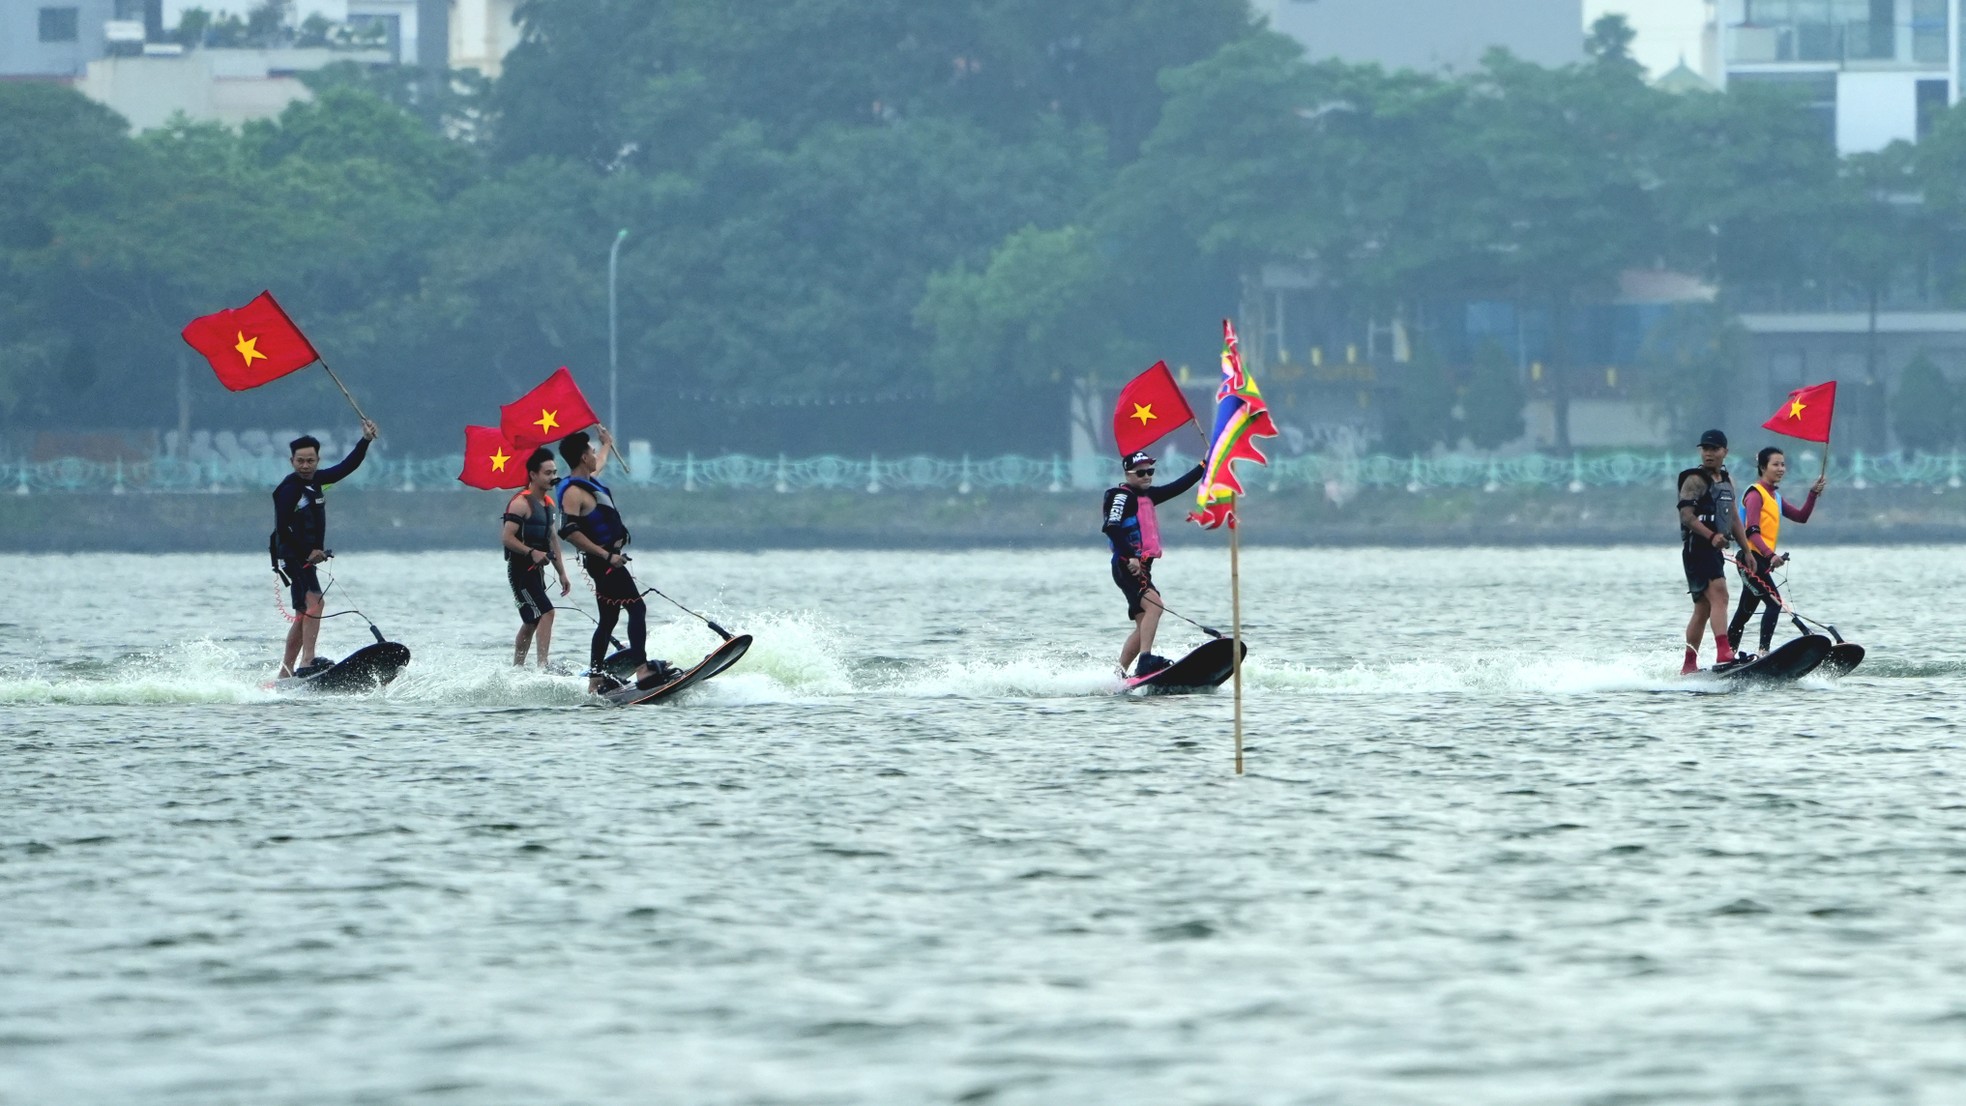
(1135,459)
(1714,437)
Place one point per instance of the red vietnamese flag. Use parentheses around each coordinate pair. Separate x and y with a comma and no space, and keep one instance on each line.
(490,461)
(1806,413)
(1150,408)
(547,413)
(251,345)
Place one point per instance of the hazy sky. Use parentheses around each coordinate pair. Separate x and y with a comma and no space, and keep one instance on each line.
(1667,29)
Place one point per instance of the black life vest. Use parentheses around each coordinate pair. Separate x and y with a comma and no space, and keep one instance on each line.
(602,525)
(535,527)
(1714,505)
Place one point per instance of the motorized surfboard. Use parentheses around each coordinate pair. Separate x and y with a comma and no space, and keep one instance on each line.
(1843,657)
(366,669)
(1208,666)
(1788,661)
(718,660)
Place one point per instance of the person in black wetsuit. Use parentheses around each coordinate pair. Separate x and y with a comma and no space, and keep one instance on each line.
(300,537)
(595,528)
(1707,519)
(529,530)
(1134,531)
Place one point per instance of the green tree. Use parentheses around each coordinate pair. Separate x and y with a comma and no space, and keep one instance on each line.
(1685,359)
(1925,408)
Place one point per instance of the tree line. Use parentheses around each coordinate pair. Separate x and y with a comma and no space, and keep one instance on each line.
(907,226)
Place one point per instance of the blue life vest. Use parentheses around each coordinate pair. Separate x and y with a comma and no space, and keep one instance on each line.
(602,525)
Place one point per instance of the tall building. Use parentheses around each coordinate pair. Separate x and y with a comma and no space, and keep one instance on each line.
(482,33)
(1875,71)
(58,39)
(1431,34)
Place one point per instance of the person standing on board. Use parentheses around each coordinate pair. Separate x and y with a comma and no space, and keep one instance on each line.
(300,537)
(1707,520)
(531,539)
(1134,532)
(595,528)
(1762,512)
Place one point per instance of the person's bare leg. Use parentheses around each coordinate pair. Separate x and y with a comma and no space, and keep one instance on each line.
(1131,649)
(1150,609)
(1696,629)
(310,628)
(519,645)
(544,637)
(293,648)
(1717,616)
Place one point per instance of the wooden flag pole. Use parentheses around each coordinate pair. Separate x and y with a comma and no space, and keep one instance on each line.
(620,456)
(344,388)
(1235,626)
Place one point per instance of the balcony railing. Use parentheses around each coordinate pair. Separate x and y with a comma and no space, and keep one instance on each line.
(1920,44)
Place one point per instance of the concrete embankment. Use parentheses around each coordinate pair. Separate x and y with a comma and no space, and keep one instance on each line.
(364,519)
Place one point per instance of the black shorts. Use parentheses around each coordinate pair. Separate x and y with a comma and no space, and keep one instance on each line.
(528,589)
(1135,586)
(302,581)
(1703,565)
(612,584)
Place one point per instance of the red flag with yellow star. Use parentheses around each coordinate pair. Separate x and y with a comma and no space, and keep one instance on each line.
(490,461)
(1806,413)
(547,413)
(251,345)
(1150,408)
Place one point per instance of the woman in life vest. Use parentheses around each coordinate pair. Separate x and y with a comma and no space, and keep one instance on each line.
(1762,512)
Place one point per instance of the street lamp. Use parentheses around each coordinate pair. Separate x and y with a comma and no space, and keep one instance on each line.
(614,256)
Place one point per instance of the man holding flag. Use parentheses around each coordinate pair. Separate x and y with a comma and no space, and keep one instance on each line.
(1149,408)
(300,537)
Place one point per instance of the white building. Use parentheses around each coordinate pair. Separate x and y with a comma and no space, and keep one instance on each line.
(482,33)
(223,86)
(1876,71)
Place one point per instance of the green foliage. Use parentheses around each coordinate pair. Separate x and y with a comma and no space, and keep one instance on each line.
(1925,410)
(1492,407)
(1684,363)
(1422,416)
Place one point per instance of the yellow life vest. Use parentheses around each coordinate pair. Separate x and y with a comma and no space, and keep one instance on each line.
(1771,515)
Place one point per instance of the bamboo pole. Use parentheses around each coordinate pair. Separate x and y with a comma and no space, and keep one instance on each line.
(344,388)
(1235,638)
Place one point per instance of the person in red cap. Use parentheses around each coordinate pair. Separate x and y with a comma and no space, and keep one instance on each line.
(1707,520)
(1135,534)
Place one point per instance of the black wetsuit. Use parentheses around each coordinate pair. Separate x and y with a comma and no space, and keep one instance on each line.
(528,579)
(300,523)
(1121,525)
(614,586)
(1715,508)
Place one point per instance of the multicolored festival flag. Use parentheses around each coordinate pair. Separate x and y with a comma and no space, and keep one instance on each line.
(1806,414)
(547,413)
(1241,417)
(492,462)
(251,345)
(1150,408)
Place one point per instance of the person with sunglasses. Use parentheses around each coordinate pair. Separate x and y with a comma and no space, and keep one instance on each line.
(1134,532)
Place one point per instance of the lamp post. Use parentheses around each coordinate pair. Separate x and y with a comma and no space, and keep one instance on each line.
(614,257)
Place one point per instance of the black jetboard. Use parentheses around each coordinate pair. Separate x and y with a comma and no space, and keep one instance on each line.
(1791,660)
(1843,657)
(366,669)
(1208,666)
(719,659)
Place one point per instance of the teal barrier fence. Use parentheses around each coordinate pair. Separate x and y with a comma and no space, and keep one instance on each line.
(876,474)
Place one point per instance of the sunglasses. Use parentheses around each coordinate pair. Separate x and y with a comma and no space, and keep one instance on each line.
(1143,472)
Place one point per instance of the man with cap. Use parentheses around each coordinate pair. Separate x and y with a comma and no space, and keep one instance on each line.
(1707,520)
(1134,532)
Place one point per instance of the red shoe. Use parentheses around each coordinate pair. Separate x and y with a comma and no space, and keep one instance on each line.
(1723,652)
(1692,663)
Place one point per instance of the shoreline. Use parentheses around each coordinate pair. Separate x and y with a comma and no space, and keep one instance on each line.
(235,522)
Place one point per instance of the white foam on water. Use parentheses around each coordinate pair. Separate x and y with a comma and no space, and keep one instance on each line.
(199,671)
(1491,673)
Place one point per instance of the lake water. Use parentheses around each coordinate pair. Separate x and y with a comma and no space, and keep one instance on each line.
(1489,848)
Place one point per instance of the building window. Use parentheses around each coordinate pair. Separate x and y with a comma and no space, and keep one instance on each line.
(58,24)
(1932,98)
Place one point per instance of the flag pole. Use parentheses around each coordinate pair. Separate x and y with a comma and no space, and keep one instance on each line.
(618,455)
(344,388)
(1235,637)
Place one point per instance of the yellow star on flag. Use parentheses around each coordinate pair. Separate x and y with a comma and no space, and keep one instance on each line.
(1795,408)
(248,347)
(499,458)
(547,420)
(1144,413)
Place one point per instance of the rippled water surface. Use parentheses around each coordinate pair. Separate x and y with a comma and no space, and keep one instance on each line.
(1489,848)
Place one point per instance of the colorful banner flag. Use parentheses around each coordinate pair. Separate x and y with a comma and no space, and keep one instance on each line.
(1150,408)
(491,461)
(1806,414)
(1241,417)
(547,413)
(251,345)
